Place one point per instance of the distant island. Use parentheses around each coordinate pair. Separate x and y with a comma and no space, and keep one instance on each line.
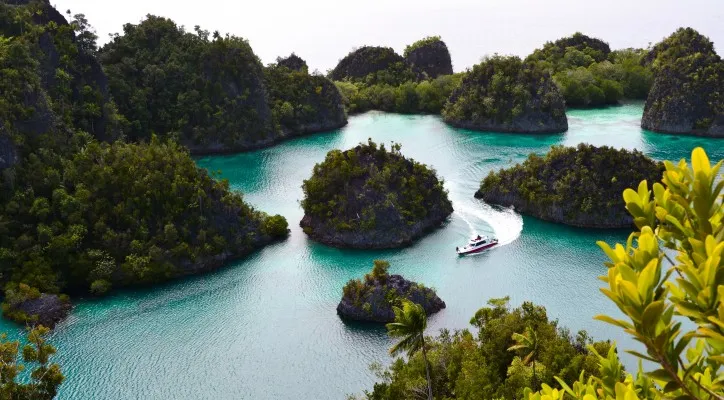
(688,93)
(372,299)
(504,94)
(211,92)
(371,197)
(579,186)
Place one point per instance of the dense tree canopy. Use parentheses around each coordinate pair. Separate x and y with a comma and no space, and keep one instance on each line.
(590,74)
(506,94)
(465,365)
(369,196)
(424,97)
(688,92)
(300,102)
(79,215)
(206,91)
(578,186)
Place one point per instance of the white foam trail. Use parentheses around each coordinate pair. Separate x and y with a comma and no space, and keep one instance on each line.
(504,223)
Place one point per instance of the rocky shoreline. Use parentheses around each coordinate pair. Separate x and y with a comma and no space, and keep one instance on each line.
(372,300)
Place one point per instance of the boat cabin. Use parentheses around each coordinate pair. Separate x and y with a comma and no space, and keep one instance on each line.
(478,241)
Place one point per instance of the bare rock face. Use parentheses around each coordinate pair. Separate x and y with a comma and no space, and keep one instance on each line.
(429,58)
(293,62)
(46,310)
(373,302)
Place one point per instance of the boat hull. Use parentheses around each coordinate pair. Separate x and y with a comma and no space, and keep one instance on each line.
(463,252)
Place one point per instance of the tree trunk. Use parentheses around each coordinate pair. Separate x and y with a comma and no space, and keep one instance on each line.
(427,369)
(534,380)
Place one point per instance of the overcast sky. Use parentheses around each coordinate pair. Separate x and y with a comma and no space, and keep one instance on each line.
(323,31)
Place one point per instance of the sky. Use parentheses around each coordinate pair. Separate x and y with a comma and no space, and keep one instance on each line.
(324,31)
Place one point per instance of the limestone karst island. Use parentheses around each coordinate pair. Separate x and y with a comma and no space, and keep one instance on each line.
(514,200)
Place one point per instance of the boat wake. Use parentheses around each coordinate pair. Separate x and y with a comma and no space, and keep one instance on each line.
(503,223)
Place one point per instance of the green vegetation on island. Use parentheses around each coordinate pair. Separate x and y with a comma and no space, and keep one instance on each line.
(688,92)
(80,215)
(302,103)
(376,78)
(373,298)
(207,91)
(371,197)
(579,186)
(504,94)
(210,92)
(424,97)
(589,74)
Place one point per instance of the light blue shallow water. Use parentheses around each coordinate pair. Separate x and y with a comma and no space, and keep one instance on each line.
(266,328)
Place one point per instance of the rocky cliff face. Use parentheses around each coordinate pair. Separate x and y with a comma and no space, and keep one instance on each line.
(429,58)
(293,62)
(503,94)
(374,301)
(687,96)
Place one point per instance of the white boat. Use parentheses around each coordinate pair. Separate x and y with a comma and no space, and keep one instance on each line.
(476,245)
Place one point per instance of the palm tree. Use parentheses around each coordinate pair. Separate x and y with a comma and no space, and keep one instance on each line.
(410,323)
(529,343)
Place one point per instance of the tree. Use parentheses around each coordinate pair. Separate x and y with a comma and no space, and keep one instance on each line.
(410,323)
(45,377)
(84,33)
(527,342)
(657,287)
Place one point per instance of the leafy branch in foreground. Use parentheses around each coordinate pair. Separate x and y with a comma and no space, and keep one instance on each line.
(681,232)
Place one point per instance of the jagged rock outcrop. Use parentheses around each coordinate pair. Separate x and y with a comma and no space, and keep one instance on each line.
(578,186)
(369,197)
(45,309)
(373,65)
(687,96)
(504,94)
(372,300)
(293,62)
(429,58)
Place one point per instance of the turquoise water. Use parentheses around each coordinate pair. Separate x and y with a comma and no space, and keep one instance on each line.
(266,327)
